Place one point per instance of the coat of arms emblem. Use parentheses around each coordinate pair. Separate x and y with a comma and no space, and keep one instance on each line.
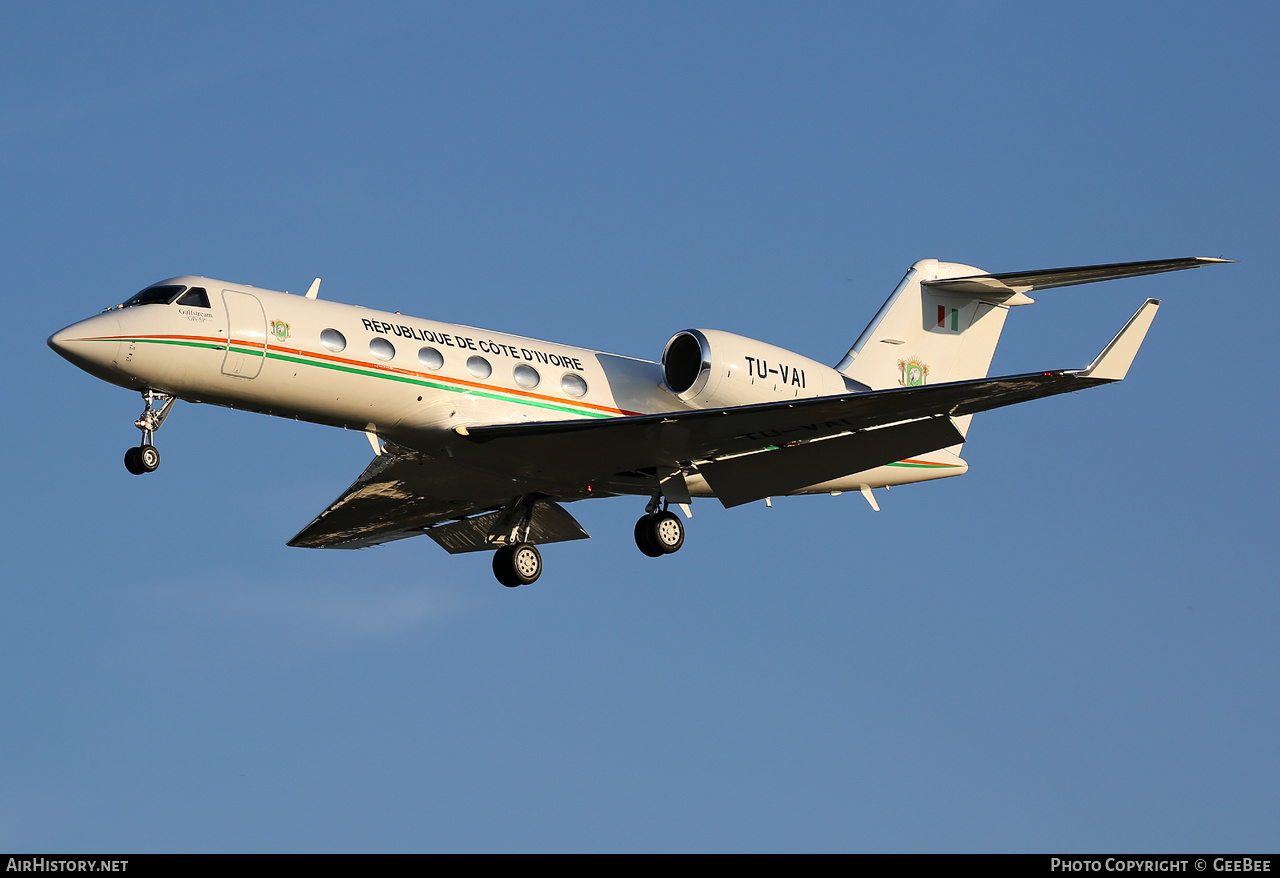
(913,372)
(280,330)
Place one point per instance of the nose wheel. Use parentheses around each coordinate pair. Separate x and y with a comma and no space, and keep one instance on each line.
(142,459)
(659,533)
(145,458)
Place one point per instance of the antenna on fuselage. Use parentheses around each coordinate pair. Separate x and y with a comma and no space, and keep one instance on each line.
(315,288)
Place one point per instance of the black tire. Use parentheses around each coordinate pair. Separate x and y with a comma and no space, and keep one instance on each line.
(502,567)
(520,564)
(659,534)
(644,537)
(131,462)
(148,458)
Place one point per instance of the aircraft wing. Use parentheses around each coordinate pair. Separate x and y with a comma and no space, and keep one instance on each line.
(767,447)
(554,449)
(873,428)
(399,494)
(402,493)
(405,493)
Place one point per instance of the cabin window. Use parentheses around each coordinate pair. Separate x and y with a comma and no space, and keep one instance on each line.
(479,367)
(196,297)
(573,385)
(381,349)
(527,376)
(160,294)
(333,340)
(431,358)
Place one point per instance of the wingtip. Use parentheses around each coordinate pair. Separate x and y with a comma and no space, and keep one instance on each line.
(1116,358)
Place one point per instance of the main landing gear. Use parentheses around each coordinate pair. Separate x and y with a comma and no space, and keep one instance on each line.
(657,532)
(145,458)
(517,561)
(519,564)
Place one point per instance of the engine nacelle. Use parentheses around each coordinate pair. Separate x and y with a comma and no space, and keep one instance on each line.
(707,368)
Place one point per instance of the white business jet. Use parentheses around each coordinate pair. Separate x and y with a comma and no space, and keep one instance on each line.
(479,436)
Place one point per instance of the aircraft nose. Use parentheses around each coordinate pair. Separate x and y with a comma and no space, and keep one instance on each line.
(91,344)
(61,340)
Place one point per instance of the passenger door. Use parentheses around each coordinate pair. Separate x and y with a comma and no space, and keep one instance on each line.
(246,335)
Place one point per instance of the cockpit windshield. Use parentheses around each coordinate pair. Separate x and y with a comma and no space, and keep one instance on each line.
(196,297)
(160,294)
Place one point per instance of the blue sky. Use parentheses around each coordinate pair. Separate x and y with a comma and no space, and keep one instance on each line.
(1071,648)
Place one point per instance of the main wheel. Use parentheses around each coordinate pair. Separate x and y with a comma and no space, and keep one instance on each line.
(148,458)
(644,537)
(502,568)
(516,565)
(668,532)
(659,534)
(131,462)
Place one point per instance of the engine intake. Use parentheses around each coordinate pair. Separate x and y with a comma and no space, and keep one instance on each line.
(686,363)
(707,368)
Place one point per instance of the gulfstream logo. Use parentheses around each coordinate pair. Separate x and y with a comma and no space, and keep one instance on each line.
(40,864)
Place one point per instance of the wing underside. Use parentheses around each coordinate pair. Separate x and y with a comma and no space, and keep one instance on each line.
(747,452)
(399,494)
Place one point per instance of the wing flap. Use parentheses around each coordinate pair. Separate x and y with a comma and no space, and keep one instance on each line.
(550,523)
(751,477)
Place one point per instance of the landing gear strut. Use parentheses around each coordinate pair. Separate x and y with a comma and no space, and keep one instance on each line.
(145,458)
(517,561)
(657,532)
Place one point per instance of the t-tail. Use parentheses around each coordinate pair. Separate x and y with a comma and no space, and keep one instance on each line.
(943,321)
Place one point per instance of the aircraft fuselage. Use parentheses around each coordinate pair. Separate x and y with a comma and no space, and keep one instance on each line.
(411,381)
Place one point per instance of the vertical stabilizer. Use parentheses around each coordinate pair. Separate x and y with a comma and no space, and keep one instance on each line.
(929,335)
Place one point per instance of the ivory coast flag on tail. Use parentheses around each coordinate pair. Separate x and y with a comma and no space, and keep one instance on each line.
(948,318)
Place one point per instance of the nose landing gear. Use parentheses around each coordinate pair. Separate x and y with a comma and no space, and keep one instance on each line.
(145,458)
(142,459)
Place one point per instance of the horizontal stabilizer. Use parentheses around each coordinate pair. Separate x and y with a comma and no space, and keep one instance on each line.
(1013,282)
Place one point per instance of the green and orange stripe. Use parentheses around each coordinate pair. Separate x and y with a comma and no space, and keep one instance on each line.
(298,356)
